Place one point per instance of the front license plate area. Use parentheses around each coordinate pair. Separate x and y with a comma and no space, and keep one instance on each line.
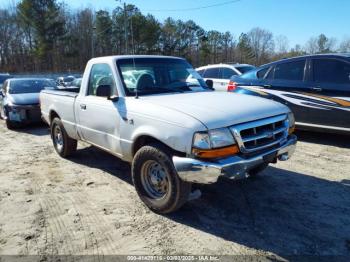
(270,157)
(14,116)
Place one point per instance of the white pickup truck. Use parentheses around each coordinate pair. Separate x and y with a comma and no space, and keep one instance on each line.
(157,113)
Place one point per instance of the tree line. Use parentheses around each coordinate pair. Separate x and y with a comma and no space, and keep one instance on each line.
(47,36)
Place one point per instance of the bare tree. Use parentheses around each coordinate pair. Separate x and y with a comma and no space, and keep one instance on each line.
(281,44)
(262,44)
(320,44)
(345,45)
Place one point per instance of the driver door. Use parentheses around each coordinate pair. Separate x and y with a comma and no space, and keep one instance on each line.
(99,118)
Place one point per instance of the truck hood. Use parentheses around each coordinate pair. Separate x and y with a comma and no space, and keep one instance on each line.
(24,99)
(219,109)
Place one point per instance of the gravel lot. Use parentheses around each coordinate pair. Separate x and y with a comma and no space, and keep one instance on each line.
(87,205)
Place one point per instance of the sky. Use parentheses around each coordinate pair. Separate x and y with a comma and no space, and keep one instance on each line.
(297,19)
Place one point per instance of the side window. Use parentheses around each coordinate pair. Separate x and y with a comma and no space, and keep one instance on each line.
(227,73)
(212,73)
(331,71)
(261,73)
(290,71)
(100,74)
(201,72)
(4,87)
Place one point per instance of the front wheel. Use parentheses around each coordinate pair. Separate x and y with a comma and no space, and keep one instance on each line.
(63,144)
(156,180)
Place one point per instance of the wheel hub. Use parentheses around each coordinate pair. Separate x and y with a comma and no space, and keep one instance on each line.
(58,138)
(154,179)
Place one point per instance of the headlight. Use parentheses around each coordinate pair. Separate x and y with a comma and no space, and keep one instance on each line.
(221,138)
(201,140)
(215,143)
(215,138)
(291,122)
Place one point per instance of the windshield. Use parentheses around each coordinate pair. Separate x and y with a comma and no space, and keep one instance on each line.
(30,86)
(159,75)
(244,69)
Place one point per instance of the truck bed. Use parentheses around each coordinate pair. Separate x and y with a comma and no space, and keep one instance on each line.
(72,92)
(60,102)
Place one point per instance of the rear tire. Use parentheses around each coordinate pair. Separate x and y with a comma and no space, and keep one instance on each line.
(257,170)
(63,144)
(156,180)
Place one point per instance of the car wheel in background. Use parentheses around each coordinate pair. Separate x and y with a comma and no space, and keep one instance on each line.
(156,180)
(11,124)
(63,144)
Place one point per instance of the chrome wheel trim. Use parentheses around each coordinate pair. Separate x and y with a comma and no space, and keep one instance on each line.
(58,138)
(154,179)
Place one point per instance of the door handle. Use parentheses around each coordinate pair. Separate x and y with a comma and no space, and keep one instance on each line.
(83,106)
(317,89)
(267,86)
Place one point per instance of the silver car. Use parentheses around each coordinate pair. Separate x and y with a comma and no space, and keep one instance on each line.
(19,100)
(220,74)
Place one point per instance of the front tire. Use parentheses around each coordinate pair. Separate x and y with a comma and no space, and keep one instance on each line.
(63,144)
(156,180)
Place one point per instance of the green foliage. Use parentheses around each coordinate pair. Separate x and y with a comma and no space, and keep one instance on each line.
(46,22)
(43,35)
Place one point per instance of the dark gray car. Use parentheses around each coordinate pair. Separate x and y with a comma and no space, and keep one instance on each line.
(19,100)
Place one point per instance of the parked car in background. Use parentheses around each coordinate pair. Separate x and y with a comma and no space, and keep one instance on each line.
(157,113)
(220,74)
(315,87)
(19,100)
(3,78)
(64,81)
(76,83)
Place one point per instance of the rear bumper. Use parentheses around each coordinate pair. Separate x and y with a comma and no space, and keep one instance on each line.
(23,113)
(235,167)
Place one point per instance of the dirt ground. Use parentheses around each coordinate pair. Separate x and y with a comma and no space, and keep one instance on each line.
(87,205)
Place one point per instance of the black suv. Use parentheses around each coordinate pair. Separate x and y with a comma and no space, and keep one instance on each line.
(315,87)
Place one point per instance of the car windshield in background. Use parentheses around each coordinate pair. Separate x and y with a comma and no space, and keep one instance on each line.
(30,86)
(69,79)
(148,76)
(3,78)
(245,69)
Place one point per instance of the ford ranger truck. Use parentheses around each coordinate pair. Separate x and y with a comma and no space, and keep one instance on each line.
(157,113)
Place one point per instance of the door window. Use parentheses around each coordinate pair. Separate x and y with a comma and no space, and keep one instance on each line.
(101,74)
(212,73)
(201,72)
(290,71)
(331,71)
(227,73)
(4,87)
(262,73)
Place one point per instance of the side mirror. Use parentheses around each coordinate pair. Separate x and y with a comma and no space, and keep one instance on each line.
(2,93)
(106,91)
(210,84)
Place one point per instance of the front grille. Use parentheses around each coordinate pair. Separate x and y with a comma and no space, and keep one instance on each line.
(261,134)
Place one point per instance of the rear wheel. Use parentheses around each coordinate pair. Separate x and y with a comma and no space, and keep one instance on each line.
(156,181)
(63,144)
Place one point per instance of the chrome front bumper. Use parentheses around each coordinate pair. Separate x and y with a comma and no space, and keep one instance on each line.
(235,167)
